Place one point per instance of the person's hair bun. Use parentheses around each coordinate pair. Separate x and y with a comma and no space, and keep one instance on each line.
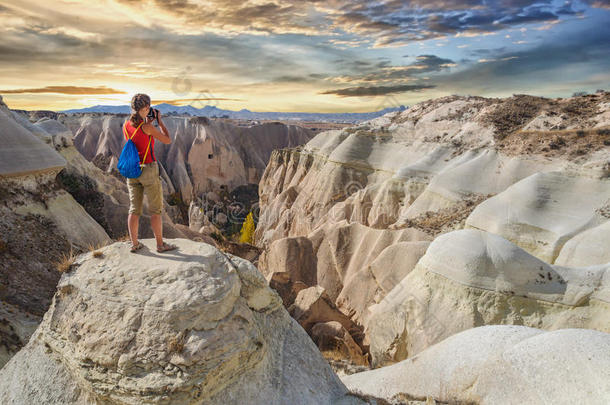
(138,102)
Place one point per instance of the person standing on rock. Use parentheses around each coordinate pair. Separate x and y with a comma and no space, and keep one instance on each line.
(140,125)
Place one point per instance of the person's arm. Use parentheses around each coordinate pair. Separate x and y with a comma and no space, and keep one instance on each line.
(162,135)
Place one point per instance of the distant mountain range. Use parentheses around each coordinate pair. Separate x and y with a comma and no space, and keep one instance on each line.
(211,111)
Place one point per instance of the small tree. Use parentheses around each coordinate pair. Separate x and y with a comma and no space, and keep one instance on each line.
(247,230)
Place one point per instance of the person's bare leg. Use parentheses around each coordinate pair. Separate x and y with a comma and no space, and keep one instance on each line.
(157,226)
(133,223)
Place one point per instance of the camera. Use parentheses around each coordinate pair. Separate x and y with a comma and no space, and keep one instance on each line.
(153,114)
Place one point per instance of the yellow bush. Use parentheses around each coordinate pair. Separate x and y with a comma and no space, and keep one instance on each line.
(247,230)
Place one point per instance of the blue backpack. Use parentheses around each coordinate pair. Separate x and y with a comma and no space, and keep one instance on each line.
(129,162)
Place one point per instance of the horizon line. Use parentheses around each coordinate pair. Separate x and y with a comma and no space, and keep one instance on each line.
(207,105)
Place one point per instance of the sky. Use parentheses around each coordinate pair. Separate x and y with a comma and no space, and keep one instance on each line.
(298,55)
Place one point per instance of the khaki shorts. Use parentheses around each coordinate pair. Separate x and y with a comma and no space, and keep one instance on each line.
(148,183)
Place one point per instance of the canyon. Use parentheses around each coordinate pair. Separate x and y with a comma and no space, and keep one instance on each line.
(455,251)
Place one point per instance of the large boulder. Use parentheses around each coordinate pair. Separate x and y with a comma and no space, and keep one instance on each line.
(336,343)
(471,278)
(192,326)
(500,365)
(289,266)
(312,306)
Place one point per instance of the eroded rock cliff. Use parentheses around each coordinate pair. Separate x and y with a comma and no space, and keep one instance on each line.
(534,172)
(40,223)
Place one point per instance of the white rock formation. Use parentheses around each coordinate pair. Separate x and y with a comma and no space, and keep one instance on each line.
(53,127)
(29,164)
(471,278)
(22,153)
(501,165)
(543,211)
(427,158)
(500,365)
(191,326)
(587,248)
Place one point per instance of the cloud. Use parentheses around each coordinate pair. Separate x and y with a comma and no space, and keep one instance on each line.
(431,63)
(310,78)
(398,23)
(598,3)
(488,51)
(65,90)
(318,75)
(64,39)
(377,90)
(387,24)
(229,16)
(169,55)
(574,55)
(500,59)
(367,72)
(272,48)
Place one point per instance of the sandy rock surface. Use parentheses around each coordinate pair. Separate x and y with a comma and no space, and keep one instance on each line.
(500,365)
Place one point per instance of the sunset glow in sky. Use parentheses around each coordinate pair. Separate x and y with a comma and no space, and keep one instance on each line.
(298,55)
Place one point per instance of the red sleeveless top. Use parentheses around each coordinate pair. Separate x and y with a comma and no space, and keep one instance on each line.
(141,141)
